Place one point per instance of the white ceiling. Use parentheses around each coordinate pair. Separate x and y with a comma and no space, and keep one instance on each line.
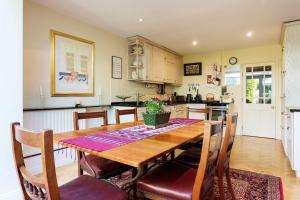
(215,24)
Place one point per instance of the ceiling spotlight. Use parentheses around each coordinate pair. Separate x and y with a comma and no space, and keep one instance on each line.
(249,34)
(141,19)
(195,43)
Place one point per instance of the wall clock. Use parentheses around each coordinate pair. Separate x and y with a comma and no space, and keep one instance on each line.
(232,60)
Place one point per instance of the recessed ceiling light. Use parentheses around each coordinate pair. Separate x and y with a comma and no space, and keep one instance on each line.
(195,43)
(141,19)
(249,34)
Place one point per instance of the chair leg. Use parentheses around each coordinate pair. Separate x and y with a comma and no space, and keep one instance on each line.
(229,184)
(221,187)
(79,156)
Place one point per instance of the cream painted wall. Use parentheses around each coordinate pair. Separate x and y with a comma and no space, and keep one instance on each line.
(261,54)
(38,20)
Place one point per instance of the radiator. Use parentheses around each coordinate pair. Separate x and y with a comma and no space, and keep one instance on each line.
(56,120)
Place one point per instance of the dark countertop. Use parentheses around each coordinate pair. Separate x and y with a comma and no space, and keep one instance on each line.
(62,108)
(126,104)
(294,109)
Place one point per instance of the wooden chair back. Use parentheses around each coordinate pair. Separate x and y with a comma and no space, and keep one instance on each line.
(204,182)
(34,187)
(126,112)
(89,115)
(207,111)
(231,124)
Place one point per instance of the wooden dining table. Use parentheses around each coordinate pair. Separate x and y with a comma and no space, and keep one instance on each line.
(141,152)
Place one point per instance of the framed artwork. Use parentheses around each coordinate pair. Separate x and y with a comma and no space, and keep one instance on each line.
(116,65)
(72,65)
(192,69)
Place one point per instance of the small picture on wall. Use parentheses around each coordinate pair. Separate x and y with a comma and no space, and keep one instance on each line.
(116,67)
(192,69)
(210,79)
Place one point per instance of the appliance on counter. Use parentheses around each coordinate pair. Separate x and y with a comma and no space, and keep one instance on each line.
(198,97)
(180,99)
(189,98)
(219,112)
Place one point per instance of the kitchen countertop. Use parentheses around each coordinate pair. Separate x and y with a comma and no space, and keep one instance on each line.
(128,104)
(294,109)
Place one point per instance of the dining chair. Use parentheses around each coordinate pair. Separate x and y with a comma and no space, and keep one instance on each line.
(94,165)
(175,181)
(206,111)
(45,186)
(224,157)
(191,157)
(126,112)
(196,143)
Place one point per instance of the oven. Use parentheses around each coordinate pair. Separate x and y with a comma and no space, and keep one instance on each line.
(219,113)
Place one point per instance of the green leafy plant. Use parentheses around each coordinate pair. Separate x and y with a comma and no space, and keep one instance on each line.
(154,106)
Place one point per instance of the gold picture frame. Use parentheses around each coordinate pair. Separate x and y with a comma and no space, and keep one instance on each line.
(72,65)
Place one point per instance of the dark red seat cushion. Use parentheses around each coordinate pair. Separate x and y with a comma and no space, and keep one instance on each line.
(103,168)
(171,180)
(89,188)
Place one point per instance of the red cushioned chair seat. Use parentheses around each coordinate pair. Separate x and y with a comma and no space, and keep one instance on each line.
(103,168)
(171,180)
(89,188)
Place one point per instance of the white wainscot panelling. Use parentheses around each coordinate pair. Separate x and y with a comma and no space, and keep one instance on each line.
(56,120)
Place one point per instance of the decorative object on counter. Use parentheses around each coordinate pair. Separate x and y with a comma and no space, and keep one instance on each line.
(210,97)
(155,116)
(193,69)
(123,97)
(72,65)
(116,65)
(198,97)
(232,60)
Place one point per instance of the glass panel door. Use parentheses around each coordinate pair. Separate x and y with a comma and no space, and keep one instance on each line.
(259,85)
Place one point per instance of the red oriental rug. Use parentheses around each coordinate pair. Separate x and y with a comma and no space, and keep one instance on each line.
(247,185)
(253,186)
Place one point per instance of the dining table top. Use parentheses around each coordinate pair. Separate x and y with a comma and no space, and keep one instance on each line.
(140,152)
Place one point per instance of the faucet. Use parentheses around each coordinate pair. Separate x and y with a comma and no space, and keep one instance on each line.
(138,95)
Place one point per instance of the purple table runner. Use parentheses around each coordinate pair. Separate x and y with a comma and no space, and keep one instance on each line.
(111,139)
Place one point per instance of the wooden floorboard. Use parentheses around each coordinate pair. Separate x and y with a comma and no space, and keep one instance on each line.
(249,153)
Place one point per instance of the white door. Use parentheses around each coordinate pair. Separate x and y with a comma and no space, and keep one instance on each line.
(258,101)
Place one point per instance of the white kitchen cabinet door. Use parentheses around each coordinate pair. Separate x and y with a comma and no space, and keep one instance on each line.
(158,64)
(291,64)
(295,142)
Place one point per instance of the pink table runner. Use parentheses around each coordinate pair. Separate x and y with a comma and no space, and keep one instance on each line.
(116,138)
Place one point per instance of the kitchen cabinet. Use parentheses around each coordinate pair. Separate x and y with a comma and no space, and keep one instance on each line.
(153,63)
(290,120)
(291,137)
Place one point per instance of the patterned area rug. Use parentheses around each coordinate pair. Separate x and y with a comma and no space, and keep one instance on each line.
(247,185)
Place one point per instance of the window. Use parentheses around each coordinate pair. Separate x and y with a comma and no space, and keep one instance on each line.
(259,84)
(232,75)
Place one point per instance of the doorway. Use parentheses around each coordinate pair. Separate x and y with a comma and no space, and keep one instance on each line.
(259,115)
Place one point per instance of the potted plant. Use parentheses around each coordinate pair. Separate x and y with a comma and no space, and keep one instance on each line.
(155,115)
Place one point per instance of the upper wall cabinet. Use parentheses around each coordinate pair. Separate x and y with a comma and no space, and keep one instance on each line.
(149,62)
(291,63)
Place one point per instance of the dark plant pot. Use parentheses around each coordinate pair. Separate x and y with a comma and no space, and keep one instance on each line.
(156,120)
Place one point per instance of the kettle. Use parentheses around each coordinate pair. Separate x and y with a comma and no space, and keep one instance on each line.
(189,98)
